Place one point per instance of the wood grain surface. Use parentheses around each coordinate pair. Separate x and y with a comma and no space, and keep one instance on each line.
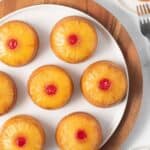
(128,49)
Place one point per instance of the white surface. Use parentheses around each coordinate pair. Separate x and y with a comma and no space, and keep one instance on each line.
(140,135)
(129,5)
(42,18)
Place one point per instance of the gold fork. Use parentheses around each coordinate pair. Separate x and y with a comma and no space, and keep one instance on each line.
(143,9)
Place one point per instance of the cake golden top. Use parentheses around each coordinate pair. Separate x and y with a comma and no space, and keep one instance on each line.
(104,83)
(74,39)
(8,93)
(19,43)
(79,131)
(22,132)
(50,87)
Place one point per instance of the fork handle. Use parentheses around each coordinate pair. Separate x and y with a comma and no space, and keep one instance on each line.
(148,37)
(146,54)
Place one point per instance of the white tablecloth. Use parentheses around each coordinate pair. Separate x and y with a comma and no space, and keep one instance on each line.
(140,135)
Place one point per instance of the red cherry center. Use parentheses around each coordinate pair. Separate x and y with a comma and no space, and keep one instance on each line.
(12,44)
(20,141)
(73,39)
(104,84)
(51,89)
(81,135)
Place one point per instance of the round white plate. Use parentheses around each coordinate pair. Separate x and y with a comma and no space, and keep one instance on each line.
(130,5)
(43,19)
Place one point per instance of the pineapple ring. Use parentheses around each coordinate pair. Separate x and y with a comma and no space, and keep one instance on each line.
(22,132)
(50,87)
(104,83)
(73,39)
(8,93)
(18,43)
(79,131)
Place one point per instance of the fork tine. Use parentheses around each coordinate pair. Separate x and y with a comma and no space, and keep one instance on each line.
(145,9)
(148,20)
(138,11)
(148,8)
(141,10)
(145,20)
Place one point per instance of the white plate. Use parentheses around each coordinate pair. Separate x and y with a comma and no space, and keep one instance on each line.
(43,19)
(130,5)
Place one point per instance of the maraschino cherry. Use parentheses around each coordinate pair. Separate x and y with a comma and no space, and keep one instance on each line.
(81,135)
(73,39)
(51,89)
(12,44)
(21,141)
(104,84)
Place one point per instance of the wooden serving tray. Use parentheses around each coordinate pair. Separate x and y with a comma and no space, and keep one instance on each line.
(128,49)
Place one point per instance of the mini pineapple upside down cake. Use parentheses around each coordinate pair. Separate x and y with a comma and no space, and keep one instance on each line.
(79,131)
(73,39)
(18,43)
(50,87)
(8,93)
(104,83)
(22,132)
